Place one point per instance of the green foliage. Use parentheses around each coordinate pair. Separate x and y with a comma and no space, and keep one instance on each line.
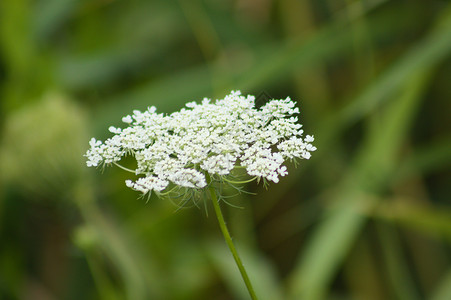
(368,217)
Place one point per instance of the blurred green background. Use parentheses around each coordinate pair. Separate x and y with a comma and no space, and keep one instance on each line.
(368,217)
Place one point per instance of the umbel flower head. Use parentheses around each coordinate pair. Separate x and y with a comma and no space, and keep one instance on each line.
(206,141)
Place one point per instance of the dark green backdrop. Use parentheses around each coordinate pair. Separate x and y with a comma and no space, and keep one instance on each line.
(368,217)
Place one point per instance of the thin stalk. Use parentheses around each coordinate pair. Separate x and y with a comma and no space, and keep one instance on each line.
(228,239)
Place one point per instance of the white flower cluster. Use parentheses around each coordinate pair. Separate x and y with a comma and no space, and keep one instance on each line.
(214,138)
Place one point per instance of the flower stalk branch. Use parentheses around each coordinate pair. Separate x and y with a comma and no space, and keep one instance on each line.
(228,239)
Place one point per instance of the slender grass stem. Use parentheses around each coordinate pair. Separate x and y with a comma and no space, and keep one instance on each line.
(228,239)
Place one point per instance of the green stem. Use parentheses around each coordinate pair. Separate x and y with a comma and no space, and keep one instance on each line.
(228,239)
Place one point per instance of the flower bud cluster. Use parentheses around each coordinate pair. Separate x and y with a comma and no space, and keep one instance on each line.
(206,138)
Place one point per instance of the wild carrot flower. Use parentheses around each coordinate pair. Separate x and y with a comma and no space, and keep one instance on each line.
(207,138)
(181,154)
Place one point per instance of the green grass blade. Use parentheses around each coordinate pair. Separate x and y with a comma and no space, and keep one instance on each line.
(337,233)
(443,291)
